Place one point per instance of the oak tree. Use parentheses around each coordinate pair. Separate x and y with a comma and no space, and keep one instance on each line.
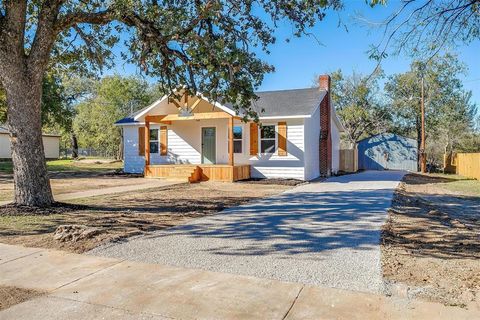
(205,45)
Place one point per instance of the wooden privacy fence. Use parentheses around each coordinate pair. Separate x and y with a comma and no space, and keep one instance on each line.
(464,164)
(349,160)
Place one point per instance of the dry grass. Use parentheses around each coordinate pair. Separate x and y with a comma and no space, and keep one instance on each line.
(69,182)
(430,242)
(124,215)
(86,165)
(10,296)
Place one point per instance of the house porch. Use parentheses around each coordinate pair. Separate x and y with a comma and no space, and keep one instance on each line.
(215,139)
(199,172)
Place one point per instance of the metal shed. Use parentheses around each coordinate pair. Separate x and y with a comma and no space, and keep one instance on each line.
(387,151)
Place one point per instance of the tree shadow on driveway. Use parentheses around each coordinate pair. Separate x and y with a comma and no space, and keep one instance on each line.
(294,223)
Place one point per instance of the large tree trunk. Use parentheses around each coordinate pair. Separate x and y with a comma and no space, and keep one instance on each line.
(32,186)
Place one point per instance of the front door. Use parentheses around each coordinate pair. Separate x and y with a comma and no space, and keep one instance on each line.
(209,151)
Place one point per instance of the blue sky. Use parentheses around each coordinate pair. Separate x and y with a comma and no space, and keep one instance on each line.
(297,61)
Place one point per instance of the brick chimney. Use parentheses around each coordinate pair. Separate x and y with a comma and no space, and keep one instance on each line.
(325,144)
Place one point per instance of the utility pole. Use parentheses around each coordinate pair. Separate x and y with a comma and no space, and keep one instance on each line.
(423,158)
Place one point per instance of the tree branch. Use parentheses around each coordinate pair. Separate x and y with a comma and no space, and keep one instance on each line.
(12,34)
(45,37)
(74,18)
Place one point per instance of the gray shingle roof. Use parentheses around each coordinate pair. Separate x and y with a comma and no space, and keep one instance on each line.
(281,103)
(295,102)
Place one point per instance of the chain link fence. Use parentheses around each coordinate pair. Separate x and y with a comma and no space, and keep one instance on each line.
(88,152)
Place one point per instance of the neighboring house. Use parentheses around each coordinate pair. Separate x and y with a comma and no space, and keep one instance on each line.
(299,137)
(387,151)
(51,145)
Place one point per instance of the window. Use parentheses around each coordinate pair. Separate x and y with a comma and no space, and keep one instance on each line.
(237,139)
(267,139)
(153,140)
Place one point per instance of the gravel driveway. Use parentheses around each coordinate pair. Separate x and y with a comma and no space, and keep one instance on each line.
(324,233)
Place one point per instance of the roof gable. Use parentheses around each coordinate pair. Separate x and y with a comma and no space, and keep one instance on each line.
(300,103)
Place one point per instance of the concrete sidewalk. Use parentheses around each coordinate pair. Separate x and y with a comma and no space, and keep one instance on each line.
(86,287)
(146,184)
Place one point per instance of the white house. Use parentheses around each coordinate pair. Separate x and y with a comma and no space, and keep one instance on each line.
(51,145)
(194,138)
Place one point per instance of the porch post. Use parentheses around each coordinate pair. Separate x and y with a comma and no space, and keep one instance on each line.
(230,142)
(147,143)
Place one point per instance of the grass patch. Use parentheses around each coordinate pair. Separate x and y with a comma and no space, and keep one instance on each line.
(69,165)
(459,184)
(10,296)
(465,187)
(6,166)
(28,224)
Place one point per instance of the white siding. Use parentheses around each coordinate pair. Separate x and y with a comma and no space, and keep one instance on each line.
(272,165)
(133,162)
(335,146)
(51,145)
(312,141)
(184,144)
(4,147)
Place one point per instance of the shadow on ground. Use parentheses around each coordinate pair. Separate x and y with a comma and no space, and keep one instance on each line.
(307,222)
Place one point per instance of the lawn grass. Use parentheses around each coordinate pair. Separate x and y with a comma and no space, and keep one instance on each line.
(462,185)
(67,165)
(29,223)
(6,166)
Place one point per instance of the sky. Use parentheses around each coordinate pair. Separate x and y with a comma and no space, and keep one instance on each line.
(296,62)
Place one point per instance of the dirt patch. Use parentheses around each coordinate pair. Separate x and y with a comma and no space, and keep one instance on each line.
(69,182)
(55,208)
(123,215)
(431,243)
(10,296)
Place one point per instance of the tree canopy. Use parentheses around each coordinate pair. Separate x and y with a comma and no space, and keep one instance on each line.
(111,99)
(204,45)
(356,101)
(449,112)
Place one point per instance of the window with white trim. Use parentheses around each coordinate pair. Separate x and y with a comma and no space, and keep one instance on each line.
(267,139)
(237,139)
(154,141)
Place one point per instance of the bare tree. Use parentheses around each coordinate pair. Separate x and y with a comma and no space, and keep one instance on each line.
(425,27)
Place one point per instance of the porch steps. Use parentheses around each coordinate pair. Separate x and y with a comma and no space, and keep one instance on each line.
(198,172)
(182,172)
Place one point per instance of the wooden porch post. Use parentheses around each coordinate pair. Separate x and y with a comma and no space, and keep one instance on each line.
(147,143)
(230,142)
